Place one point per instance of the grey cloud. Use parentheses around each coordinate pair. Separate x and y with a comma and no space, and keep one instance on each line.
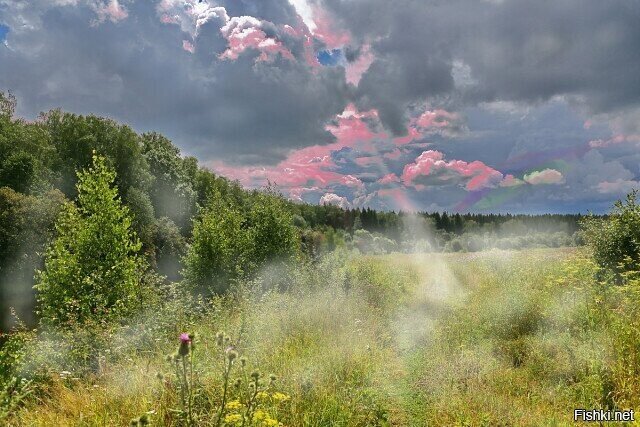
(136,71)
(517,50)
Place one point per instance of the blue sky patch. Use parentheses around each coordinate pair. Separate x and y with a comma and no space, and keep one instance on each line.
(330,58)
(4,30)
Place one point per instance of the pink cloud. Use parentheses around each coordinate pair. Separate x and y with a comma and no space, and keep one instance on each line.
(351,181)
(619,186)
(244,33)
(475,175)
(188,46)
(511,181)
(616,139)
(354,70)
(313,166)
(393,155)
(351,127)
(326,30)
(167,19)
(112,11)
(436,119)
(389,179)
(546,176)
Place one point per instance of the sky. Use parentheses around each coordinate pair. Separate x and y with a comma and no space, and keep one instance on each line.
(459,105)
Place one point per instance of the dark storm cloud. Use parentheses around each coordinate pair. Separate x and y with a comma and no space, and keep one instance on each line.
(136,71)
(517,50)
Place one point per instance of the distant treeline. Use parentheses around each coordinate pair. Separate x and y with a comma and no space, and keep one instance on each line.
(391,223)
(173,202)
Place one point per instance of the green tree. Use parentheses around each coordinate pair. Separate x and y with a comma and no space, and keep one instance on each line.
(272,235)
(219,248)
(26,226)
(93,268)
(231,243)
(172,191)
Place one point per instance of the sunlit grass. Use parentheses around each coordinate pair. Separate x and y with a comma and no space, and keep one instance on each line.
(492,338)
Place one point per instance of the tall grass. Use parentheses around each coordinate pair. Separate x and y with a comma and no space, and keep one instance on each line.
(492,338)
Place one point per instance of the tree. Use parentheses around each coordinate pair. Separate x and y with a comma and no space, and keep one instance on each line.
(93,268)
(272,234)
(172,191)
(26,226)
(219,248)
(231,243)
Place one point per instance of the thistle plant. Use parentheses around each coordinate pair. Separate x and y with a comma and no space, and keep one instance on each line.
(247,397)
(183,361)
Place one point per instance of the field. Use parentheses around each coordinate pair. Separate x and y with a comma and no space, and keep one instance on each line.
(489,338)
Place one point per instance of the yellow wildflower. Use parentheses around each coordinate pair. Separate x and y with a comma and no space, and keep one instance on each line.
(270,422)
(233,419)
(260,415)
(262,395)
(234,405)
(280,397)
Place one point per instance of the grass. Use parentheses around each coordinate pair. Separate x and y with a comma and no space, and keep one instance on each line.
(490,338)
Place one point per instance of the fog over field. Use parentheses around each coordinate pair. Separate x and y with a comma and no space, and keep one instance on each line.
(347,213)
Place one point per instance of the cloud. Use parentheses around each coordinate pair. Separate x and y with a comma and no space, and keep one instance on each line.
(334,199)
(192,70)
(430,168)
(341,96)
(546,176)
(112,11)
(618,187)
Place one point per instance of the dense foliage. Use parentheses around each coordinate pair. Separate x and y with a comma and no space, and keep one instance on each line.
(615,240)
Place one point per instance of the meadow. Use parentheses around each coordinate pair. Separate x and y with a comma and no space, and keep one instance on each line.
(489,338)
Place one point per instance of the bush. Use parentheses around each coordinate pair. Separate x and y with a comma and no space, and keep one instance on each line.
(615,240)
(218,250)
(230,243)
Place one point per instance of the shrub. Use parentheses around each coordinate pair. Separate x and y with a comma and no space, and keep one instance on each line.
(615,240)
(230,243)
(219,248)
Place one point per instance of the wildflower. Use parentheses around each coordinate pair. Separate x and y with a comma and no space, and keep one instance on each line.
(238,383)
(231,354)
(243,361)
(262,395)
(272,377)
(220,338)
(185,341)
(255,375)
(280,397)
(259,415)
(270,422)
(143,420)
(234,405)
(233,419)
